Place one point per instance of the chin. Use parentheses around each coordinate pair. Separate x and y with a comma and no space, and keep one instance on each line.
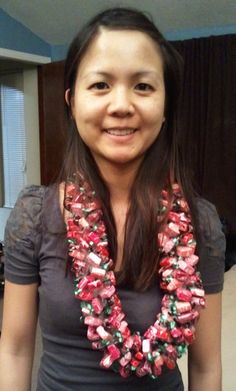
(125,160)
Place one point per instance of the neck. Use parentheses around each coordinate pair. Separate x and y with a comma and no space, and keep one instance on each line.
(119,180)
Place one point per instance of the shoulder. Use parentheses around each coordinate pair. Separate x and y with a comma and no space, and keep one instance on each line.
(209,225)
(23,236)
(26,214)
(207,215)
(211,245)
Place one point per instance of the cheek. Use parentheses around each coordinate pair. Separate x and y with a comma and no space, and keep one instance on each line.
(154,111)
(87,113)
(155,121)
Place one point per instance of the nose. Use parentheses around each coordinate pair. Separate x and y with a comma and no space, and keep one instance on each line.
(121,104)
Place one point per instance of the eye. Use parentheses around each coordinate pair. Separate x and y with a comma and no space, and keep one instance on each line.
(101,85)
(143,87)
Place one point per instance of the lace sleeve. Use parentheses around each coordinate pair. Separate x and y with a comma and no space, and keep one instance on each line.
(22,237)
(211,247)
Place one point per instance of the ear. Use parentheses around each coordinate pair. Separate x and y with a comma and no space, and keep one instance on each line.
(67,97)
(69,100)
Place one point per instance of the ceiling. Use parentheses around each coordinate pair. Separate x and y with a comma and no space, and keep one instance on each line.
(56,21)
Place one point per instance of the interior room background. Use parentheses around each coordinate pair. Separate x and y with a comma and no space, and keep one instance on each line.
(208,114)
(207,117)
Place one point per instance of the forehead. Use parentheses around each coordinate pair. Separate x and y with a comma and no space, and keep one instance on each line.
(122,48)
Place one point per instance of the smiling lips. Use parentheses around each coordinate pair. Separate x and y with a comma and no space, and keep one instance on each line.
(120,131)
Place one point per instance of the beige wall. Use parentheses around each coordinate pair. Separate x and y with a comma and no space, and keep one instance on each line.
(32,126)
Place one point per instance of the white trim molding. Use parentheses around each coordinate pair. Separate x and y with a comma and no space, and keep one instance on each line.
(22,56)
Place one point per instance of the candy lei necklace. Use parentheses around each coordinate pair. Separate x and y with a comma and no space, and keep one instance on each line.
(95,286)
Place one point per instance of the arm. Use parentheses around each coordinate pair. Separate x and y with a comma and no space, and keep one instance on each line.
(18,336)
(204,362)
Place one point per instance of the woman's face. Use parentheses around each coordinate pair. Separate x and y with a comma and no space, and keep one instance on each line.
(119,96)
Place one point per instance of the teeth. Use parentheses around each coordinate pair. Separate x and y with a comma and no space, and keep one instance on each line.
(120,132)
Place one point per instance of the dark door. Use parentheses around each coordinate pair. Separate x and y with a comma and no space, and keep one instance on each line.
(51,120)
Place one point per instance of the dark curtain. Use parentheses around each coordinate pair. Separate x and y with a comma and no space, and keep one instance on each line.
(208,119)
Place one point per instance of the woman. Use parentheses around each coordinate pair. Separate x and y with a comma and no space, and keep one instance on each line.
(123,195)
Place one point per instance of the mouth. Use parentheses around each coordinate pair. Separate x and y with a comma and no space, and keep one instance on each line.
(120,131)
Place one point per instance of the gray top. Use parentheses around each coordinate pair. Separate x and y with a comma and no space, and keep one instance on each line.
(36,251)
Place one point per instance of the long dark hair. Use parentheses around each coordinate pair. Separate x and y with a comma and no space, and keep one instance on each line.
(162,163)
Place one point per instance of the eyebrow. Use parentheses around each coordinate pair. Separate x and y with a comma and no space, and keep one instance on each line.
(134,75)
